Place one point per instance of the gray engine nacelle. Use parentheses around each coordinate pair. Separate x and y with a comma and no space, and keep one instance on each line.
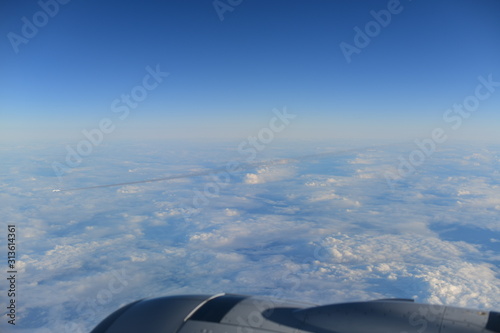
(228,313)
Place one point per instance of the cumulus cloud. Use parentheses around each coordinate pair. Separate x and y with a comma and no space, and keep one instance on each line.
(429,268)
(232,212)
(269,174)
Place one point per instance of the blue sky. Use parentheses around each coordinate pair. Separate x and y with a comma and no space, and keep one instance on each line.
(227,75)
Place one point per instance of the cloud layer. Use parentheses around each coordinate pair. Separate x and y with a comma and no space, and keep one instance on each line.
(326,229)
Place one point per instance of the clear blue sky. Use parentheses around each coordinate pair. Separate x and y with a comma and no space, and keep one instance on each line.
(226,76)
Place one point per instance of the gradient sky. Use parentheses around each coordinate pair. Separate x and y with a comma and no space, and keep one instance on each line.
(227,75)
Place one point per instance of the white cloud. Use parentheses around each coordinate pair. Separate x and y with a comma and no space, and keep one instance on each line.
(231,212)
(359,160)
(324,196)
(130,189)
(435,270)
(269,174)
(134,218)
